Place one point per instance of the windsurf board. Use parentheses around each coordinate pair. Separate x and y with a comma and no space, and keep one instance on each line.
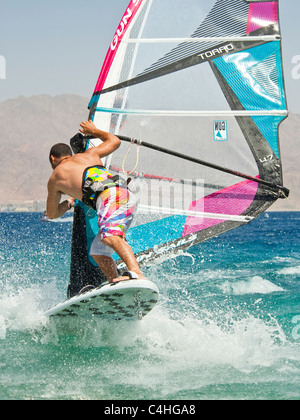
(126,300)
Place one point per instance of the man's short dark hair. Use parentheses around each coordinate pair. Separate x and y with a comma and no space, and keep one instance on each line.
(60,150)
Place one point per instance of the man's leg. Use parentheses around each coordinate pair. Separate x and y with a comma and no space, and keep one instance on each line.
(107,266)
(121,247)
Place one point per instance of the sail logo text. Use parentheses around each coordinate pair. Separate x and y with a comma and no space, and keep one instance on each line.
(2,68)
(217,51)
(123,24)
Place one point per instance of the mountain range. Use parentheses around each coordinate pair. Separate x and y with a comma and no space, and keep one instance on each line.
(30,126)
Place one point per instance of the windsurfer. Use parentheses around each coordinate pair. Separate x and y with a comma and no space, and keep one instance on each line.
(83,177)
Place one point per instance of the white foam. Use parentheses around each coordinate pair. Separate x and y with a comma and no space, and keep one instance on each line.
(3,327)
(22,309)
(290,271)
(192,343)
(185,343)
(256,285)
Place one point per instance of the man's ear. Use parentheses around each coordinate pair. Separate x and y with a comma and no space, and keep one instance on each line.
(52,158)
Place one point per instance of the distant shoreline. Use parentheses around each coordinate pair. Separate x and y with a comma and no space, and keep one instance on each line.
(28,206)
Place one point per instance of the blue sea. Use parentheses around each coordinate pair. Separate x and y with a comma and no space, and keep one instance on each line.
(227,326)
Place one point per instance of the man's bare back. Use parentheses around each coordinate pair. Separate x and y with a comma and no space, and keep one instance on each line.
(67,176)
(68,171)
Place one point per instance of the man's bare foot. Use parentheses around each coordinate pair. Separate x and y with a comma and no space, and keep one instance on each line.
(128,275)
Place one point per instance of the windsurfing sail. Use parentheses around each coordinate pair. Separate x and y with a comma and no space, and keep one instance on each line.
(200,84)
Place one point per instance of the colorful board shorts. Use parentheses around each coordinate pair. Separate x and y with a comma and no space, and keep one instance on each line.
(116,208)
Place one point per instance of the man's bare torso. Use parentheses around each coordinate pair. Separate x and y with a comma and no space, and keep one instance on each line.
(69,173)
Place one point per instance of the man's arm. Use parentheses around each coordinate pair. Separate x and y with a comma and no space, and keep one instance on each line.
(110,142)
(55,208)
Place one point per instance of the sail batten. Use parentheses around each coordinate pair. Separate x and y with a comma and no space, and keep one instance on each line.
(169,211)
(191,113)
(266,38)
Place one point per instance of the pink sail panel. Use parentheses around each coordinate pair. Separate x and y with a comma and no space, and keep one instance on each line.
(234,200)
(126,20)
(261,15)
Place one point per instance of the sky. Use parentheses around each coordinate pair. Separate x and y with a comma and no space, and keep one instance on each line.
(58,46)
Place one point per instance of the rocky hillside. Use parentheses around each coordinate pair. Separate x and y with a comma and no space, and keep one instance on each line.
(30,126)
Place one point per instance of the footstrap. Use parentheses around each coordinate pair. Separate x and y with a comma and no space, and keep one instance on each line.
(131,274)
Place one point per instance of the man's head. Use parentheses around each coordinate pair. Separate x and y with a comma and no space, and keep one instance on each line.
(58,152)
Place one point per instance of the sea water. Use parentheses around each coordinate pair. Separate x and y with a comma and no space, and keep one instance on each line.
(227,325)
